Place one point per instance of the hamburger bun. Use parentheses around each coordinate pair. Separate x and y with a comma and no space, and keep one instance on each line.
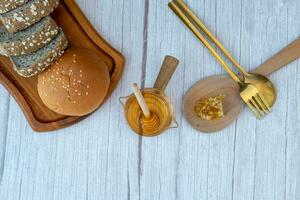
(76,84)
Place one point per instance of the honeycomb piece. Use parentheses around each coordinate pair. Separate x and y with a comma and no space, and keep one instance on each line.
(210,108)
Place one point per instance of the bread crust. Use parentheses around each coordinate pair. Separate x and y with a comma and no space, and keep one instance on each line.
(30,43)
(8,5)
(28,14)
(76,85)
(45,60)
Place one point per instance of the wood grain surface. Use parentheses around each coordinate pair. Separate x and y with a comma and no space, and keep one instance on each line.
(101,158)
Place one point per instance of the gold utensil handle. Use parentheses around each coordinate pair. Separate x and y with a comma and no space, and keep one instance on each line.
(200,24)
(176,9)
(284,57)
(167,70)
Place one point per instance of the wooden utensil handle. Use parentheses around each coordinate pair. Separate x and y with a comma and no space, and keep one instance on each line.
(284,57)
(140,98)
(166,72)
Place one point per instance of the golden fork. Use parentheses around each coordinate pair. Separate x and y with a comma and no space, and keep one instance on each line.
(257,91)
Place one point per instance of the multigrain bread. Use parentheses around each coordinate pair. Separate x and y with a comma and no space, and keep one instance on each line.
(28,14)
(32,64)
(8,5)
(76,84)
(29,40)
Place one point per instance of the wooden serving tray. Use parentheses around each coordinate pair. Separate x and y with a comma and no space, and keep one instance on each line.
(80,33)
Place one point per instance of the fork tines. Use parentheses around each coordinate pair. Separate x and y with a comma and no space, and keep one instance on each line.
(259,105)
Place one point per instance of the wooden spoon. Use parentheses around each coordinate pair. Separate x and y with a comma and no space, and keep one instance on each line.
(223,85)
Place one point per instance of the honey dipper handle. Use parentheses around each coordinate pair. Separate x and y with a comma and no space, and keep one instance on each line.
(166,72)
(284,57)
(140,98)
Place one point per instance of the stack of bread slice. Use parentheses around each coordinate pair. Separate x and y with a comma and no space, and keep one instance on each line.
(29,36)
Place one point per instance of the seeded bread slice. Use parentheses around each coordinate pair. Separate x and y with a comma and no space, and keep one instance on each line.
(29,40)
(8,5)
(28,14)
(32,64)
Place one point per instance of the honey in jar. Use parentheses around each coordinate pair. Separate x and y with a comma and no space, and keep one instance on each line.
(161,113)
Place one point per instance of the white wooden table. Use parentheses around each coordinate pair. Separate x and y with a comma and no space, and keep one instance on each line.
(101,158)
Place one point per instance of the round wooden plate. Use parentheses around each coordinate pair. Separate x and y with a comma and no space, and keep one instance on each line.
(211,87)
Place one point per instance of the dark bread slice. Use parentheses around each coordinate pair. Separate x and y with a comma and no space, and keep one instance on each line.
(33,64)
(29,40)
(28,14)
(8,5)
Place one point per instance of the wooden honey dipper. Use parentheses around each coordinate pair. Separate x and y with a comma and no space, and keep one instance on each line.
(150,121)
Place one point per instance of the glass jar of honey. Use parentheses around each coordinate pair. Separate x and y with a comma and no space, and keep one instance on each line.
(161,109)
